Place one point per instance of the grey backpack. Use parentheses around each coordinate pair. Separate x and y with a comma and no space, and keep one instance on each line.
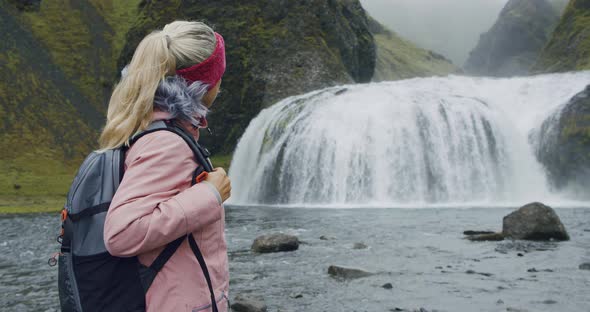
(89,278)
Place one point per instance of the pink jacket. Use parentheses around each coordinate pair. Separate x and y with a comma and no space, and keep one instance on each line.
(154,205)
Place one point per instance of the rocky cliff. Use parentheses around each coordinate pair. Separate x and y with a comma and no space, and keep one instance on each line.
(569,47)
(514,42)
(564,146)
(398,58)
(275,49)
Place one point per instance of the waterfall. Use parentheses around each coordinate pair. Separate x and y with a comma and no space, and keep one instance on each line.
(440,140)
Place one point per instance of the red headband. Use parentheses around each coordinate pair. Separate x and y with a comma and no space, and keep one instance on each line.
(210,70)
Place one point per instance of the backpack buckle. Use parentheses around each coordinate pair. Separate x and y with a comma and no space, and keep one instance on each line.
(64,215)
(200,175)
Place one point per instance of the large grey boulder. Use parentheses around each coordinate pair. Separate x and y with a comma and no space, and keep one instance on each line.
(275,243)
(563,146)
(344,273)
(248,303)
(534,221)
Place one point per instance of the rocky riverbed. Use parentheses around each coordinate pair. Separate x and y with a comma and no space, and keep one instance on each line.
(418,258)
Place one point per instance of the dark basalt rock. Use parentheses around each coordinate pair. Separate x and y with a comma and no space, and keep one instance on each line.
(359,246)
(274,49)
(344,273)
(534,221)
(248,303)
(563,146)
(275,243)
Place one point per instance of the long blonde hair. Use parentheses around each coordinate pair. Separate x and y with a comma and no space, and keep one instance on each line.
(178,45)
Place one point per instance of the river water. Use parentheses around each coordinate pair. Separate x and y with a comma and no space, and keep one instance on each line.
(421,252)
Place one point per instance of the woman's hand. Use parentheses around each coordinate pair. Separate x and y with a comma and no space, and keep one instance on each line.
(221,181)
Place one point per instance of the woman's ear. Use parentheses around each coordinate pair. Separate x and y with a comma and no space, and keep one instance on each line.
(210,96)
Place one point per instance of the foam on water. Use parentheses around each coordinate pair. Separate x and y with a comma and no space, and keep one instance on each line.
(420,142)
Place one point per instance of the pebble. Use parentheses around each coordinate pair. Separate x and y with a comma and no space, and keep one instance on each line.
(584,266)
(387,286)
(359,246)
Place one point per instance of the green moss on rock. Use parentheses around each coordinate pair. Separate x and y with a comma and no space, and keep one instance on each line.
(564,145)
(569,47)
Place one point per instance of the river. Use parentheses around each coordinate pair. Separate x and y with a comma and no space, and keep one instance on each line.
(420,251)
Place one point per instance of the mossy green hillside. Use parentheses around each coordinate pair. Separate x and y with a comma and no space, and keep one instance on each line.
(569,47)
(398,58)
(34,183)
(84,38)
(53,90)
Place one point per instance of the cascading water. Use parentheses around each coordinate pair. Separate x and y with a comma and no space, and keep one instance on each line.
(414,142)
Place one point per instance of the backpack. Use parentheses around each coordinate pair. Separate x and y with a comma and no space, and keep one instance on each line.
(89,278)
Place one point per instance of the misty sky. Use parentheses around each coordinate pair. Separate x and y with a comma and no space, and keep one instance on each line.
(449,27)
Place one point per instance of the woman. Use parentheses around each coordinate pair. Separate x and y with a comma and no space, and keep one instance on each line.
(175,74)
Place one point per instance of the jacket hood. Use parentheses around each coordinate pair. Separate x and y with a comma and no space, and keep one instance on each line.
(181,100)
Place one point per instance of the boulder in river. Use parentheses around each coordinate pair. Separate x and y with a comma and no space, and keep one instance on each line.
(248,303)
(275,243)
(344,273)
(534,221)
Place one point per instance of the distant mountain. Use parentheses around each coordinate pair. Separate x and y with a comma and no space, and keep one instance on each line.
(569,47)
(513,44)
(398,58)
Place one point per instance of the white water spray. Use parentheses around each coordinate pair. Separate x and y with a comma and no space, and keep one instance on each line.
(413,142)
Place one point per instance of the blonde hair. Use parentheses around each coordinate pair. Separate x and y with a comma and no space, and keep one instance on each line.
(178,45)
